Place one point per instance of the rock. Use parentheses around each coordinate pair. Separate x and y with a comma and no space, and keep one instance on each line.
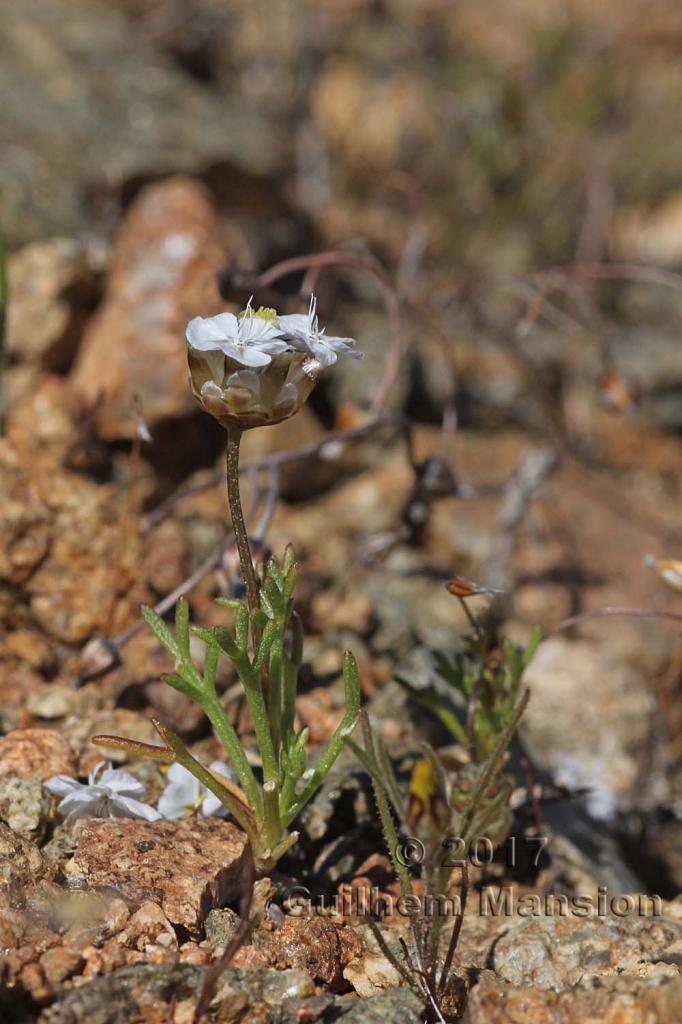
(558,952)
(162,273)
(371,974)
(53,700)
(24,519)
(298,478)
(35,754)
(25,806)
(314,945)
(31,648)
(80,588)
(59,963)
(343,610)
(614,1000)
(21,864)
(52,284)
(17,686)
(600,737)
(319,711)
(220,927)
(106,108)
(78,730)
(395,1006)
(148,925)
(646,236)
(187,867)
(144,991)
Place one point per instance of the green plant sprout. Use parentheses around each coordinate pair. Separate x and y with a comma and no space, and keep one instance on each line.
(435,825)
(435,831)
(484,680)
(264,810)
(248,371)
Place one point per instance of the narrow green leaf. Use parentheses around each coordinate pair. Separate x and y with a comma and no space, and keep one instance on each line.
(435,703)
(290,581)
(297,639)
(182,685)
(237,809)
(266,641)
(225,641)
(273,595)
(182,626)
(211,667)
(351,685)
(533,644)
(290,674)
(275,693)
(241,625)
(266,604)
(352,689)
(161,631)
(289,559)
(273,574)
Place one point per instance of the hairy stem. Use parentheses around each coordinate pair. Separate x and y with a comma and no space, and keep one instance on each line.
(234,436)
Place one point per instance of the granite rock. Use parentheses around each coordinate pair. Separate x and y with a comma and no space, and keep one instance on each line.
(186,867)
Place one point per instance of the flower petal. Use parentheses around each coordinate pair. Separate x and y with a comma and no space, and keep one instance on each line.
(250,356)
(126,807)
(60,785)
(212,807)
(203,333)
(121,782)
(296,324)
(255,328)
(86,804)
(226,323)
(344,345)
(220,768)
(181,795)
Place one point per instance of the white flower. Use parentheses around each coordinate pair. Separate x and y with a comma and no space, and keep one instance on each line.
(251,338)
(110,794)
(305,336)
(184,794)
(257,368)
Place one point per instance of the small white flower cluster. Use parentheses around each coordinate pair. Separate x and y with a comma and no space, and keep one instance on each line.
(112,793)
(258,368)
(255,336)
(107,794)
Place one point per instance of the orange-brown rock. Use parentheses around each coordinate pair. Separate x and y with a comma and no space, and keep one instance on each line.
(315,945)
(35,754)
(186,867)
(162,274)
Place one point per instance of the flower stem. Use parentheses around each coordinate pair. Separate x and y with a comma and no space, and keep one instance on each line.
(234,436)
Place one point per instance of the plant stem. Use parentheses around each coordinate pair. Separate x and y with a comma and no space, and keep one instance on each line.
(234,436)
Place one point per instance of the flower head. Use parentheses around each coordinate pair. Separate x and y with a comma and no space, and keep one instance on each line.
(184,793)
(304,334)
(250,339)
(258,368)
(111,794)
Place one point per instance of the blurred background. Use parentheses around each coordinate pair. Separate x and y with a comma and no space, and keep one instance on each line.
(504,183)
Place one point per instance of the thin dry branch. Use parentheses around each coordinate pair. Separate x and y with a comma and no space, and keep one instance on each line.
(269,462)
(371,267)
